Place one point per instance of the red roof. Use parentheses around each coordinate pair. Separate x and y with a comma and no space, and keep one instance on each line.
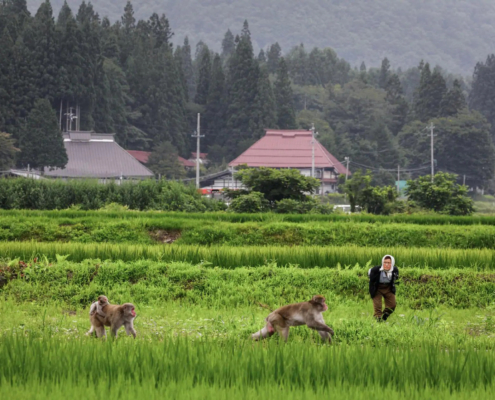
(201,155)
(141,156)
(186,163)
(287,149)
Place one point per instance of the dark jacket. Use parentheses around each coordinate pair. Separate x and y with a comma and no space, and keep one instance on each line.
(374,276)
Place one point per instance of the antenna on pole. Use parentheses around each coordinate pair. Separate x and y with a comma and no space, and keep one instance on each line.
(198,136)
(70,117)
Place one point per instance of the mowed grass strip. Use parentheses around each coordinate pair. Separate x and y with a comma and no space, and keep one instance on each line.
(233,257)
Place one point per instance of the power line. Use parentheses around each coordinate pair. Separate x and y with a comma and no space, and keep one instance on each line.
(389,170)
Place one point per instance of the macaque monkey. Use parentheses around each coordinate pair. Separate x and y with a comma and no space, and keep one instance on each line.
(97,308)
(116,316)
(306,313)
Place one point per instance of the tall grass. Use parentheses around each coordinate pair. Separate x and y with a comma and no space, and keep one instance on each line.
(233,257)
(31,363)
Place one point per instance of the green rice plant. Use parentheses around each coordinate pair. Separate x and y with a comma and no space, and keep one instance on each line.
(185,390)
(234,257)
(218,365)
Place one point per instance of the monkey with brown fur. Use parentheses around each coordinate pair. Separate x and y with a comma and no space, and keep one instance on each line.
(97,308)
(116,316)
(306,313)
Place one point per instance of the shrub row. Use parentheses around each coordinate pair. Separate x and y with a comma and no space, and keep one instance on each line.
(33,194)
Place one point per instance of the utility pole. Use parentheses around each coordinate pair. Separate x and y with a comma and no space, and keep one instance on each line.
(464,180)
(431,127)
(398,179)
(347,167)
(198,136)
(312,150)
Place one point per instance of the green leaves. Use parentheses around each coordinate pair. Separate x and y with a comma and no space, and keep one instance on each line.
(442,195)
(277,184)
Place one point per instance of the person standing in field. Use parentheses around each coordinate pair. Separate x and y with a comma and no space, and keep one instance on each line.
(382,286)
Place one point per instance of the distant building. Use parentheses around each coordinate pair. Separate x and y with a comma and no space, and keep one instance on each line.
(202,158)
(293,149)
(97,155)
(143,156)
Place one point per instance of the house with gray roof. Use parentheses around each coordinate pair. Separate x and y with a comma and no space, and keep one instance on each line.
(97,155)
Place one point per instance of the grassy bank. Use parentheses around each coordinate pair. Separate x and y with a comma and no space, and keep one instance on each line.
(203,231)
(152,283)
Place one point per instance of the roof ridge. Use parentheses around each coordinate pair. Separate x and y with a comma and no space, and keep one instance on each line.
(134,158)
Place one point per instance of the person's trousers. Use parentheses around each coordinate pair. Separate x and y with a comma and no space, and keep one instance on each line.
(384,292)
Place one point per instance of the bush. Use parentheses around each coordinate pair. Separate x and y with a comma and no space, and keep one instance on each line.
(253,202)
(443,195)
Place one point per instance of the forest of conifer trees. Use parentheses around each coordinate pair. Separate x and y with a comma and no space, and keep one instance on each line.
(129,79)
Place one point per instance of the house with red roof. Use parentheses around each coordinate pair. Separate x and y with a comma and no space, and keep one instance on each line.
(293,149)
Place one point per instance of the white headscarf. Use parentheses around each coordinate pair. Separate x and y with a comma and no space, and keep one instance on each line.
(389,272)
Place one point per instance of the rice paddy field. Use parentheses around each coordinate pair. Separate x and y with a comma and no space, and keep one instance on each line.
(203,283)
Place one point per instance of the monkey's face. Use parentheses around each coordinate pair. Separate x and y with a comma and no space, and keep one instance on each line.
(319,301)
(129,310)
(102,300)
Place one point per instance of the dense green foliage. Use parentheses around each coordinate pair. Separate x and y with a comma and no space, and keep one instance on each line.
(41,140)
(7,151)
(90,195)
(450,34)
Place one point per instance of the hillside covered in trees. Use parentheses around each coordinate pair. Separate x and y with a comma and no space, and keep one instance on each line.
(453,34)
(127,77)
